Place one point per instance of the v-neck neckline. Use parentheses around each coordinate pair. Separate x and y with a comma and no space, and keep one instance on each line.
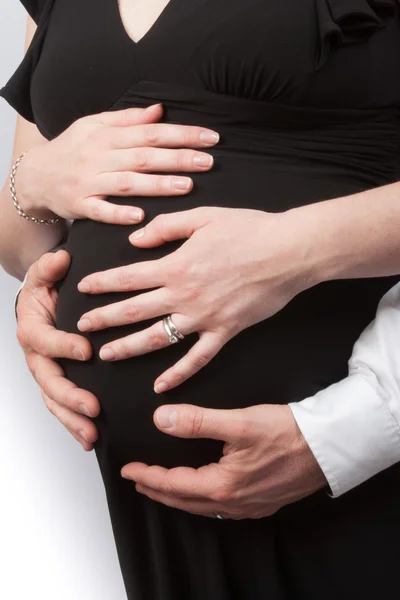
(156,24)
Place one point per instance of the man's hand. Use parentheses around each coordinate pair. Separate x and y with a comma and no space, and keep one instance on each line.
(266,463)
(41,342)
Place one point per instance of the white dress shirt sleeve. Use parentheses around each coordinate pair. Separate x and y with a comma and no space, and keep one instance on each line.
(353,426)
(17,294)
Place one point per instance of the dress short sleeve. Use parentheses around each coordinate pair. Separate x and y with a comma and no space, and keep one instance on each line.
(16,91)
(34,8)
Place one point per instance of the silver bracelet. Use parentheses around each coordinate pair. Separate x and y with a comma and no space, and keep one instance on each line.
(15,200)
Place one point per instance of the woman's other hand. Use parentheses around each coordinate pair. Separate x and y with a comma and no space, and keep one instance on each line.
(42,342)
(237,268)
(111,154)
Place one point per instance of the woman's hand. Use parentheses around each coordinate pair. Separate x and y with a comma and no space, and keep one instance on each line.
(111,153)
(266,463)
(238,267)
(42,342)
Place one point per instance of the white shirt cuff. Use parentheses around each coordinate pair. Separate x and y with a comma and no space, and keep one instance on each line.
(17,294)
(353,426)
(350,431)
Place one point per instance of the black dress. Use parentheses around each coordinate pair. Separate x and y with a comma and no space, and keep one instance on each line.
(306,97)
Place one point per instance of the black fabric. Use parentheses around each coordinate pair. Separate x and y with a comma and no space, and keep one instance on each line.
(17,90)
(34,8)
(350,21)
(306,97)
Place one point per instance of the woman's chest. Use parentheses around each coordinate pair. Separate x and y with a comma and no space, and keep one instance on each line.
(310,53)
(139,16)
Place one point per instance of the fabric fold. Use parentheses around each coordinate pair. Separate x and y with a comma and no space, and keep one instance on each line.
(343,22)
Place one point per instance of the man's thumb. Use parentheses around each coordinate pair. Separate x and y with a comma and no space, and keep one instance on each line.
(132,116)
(188,421)
(48,269)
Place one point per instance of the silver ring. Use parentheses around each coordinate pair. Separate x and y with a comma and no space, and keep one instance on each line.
(174,335)
(217,515)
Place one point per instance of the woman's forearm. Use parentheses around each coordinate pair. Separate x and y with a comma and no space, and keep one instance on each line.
(352,236)
(22,242)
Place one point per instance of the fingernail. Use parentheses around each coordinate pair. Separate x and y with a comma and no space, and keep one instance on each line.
(83,286)
(181,183)
(209,137)
(83,434)
(137,234)
(203,160)
(84,409)
(136,215)
(160,387)
(166,417)
(125,476)
(107,354)
(85,325)
(78,353)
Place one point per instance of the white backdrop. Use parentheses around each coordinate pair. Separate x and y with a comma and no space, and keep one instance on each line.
(56,540)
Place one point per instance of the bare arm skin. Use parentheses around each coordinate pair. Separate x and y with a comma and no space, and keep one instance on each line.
(16,257)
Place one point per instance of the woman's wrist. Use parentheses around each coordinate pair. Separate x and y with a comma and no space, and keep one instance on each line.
(317,247)
(349,237)
(300,263)
(27,188)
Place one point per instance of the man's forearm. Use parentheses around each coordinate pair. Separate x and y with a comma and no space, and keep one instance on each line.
(352,236)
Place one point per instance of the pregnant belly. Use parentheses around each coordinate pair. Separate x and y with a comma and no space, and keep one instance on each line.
(285,358)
